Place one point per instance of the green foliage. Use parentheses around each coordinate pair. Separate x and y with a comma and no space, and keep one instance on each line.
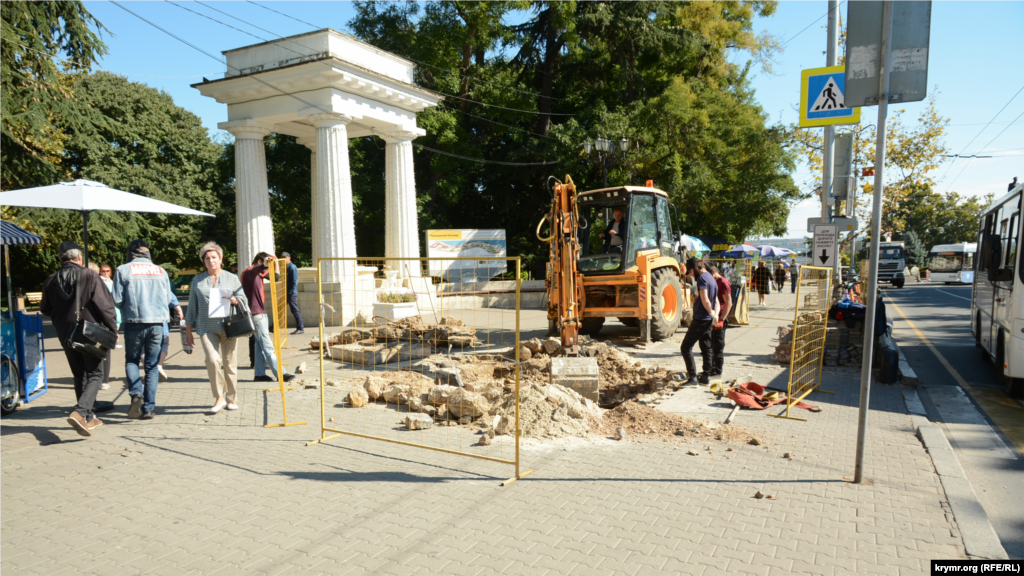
(660,73)
(917,254)
(143,144)
(943,218)
(395,297)
(46,45)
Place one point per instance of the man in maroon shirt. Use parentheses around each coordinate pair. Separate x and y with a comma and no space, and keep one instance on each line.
(718,332)
(252,285)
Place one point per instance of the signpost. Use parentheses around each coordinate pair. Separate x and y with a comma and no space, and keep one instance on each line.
(822,98)
(874,37)
(826,237)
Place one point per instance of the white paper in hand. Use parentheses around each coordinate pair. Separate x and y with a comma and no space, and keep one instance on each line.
(220,303)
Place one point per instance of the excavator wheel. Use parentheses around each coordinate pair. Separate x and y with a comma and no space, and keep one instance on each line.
(666,303)
(591,326)
(630,321)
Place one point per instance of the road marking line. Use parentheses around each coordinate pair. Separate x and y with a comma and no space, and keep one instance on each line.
(956,375)
(953,295)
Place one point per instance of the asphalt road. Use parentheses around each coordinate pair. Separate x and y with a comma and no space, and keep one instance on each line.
(982,424)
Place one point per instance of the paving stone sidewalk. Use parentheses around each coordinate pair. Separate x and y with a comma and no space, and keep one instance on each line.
(190,493)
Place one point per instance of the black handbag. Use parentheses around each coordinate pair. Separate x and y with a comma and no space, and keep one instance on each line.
(239,323)
(89,337)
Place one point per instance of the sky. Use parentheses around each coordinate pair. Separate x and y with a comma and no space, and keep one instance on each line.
(974,63)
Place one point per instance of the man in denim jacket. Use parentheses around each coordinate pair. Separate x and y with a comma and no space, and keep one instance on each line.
(143,292)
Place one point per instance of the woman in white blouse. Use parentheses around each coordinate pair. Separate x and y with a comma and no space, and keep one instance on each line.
(221,359)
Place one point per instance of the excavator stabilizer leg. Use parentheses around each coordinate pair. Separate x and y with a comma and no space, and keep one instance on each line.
(579,373)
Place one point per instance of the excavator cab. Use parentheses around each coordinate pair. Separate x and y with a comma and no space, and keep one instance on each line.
(646,224)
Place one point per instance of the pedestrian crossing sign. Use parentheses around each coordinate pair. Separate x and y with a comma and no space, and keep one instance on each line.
(821,98)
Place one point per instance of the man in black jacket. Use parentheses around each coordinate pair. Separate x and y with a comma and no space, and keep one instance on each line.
(97,306)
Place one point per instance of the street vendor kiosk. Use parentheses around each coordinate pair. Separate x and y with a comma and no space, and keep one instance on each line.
(22,353)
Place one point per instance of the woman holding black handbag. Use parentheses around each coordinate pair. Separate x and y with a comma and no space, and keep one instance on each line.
(216,303)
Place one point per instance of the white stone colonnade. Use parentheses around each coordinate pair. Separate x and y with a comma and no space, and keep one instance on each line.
(323,88)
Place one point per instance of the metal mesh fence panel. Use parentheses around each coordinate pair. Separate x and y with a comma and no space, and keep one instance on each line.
(810,324)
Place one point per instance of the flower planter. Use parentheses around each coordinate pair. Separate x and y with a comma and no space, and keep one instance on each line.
(390,277)
(395,311)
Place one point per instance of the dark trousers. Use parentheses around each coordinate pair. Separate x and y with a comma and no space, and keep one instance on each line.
(88,372)
(718,347)
(792,280)
(293,305)
(699,332)
(106,370)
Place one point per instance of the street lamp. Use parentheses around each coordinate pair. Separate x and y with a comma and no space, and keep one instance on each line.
(606,156)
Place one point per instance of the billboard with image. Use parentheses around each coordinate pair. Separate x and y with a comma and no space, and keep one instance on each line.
(466,244)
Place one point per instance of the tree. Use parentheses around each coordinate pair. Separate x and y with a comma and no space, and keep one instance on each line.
(586,69)
(144,144)
(943,218)
(917,255)
(46,46)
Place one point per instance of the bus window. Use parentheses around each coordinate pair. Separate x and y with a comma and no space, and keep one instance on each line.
(1011,241)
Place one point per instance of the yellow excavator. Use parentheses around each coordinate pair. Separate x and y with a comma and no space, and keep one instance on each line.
(592,277)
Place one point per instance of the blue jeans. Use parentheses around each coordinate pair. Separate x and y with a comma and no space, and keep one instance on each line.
(142,339)
(265,358)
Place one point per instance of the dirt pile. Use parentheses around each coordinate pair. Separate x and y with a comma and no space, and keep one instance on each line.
(646,423)
(547,412)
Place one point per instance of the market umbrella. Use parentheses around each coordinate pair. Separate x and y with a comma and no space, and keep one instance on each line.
(86,196)
(694,244)
(774,251)
(11,234)
(741,251)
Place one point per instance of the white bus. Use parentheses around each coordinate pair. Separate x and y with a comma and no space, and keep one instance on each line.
(951,263)
(997,308)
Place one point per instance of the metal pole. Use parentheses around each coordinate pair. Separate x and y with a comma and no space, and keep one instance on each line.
(876,232)
(828,169)
(85,235)
(7,269)
(851,203)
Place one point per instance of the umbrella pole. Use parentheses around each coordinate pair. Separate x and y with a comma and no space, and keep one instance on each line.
(85,235)
(7,269)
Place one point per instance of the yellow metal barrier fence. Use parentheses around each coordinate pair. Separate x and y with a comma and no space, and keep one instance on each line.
(810,324)
(279,316)
(422,352)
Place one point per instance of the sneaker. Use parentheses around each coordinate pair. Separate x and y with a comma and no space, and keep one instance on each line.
(105,386)
(135,410)
(163,375)
(79,424)
(703,378)
(715,373)
(691,381)
(94,423)
(289,377)
(148,414)
(263,378)
(299,331)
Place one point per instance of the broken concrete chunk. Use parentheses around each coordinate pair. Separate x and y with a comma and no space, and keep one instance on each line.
(503,425)
(358,398)
(464,403)
(438,395)
(418,421)
(552,345)
(397,394)
(375,387)
(756,441)
(485,440)
(301,369)
(620,433)
(525,354)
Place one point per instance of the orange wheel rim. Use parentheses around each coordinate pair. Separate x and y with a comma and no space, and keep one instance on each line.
(669,303)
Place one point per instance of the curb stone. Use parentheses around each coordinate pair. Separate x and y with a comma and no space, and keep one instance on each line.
(980,539)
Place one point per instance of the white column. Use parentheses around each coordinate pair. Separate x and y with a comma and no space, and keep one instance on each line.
(401,232)
(252,202)
(334,232)
(314,205)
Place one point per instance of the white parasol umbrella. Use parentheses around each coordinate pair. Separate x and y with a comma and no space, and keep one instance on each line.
(86,196)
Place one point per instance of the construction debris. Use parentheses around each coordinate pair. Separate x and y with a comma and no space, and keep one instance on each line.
(418,421)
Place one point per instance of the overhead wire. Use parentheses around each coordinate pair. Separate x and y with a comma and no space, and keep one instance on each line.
(793,37)
(983,148)
(318,107)
(98,67)
(307,55)
(451,71)
(979,134)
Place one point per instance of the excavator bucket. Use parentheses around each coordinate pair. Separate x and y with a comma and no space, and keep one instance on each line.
(579,373)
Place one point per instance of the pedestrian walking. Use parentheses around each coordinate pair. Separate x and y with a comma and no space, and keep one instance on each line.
(718,332)
(71,294)
(705,315)
(106,274)
(780,277)
(794,276)
(762,277)
(215,285)
(144,293)
(252,284)
(292,279)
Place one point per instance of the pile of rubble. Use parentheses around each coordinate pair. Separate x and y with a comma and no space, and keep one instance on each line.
(406,339)
(635,421)
(784,349)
